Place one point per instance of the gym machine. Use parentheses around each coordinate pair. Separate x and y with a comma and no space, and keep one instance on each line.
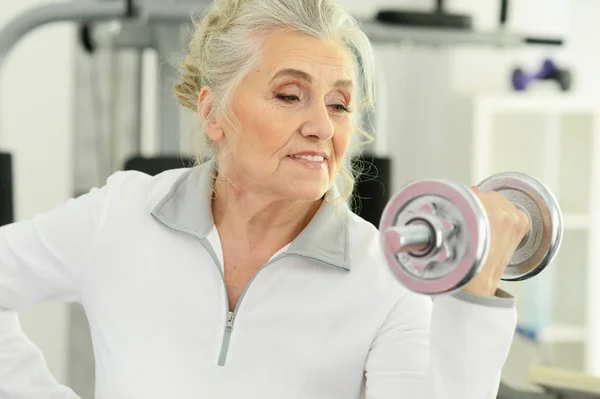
(11,34)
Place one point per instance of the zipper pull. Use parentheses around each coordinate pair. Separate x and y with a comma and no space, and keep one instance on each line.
(229,325)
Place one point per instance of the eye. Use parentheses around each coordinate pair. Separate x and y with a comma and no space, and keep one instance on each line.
(288,98)
(340,108)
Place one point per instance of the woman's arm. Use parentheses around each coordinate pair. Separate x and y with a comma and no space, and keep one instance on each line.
(23,370)
(454,348)
(41,259)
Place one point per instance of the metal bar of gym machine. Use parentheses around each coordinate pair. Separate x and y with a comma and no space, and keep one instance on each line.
(16,29)
(74,11)
(376,31)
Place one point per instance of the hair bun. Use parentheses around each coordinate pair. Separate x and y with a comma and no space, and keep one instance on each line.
(189,85)
(222,15)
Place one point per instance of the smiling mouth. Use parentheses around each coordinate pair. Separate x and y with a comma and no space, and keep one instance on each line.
(311,162)
(312,158)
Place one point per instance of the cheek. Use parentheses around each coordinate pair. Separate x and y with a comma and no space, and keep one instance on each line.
(341,142)
(263,130)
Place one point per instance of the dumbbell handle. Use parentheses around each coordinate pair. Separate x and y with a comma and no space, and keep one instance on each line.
(416,237)
(413,237)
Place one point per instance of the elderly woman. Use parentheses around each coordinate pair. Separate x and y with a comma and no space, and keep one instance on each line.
(248,276)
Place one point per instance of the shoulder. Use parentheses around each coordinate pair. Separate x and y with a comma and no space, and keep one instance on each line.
(367,258)
(365,247)
(369,265)
(140,189)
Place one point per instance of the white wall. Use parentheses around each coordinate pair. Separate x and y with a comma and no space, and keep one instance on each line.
(35,124)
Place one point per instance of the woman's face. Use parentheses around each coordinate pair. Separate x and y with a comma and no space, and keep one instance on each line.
(294,125)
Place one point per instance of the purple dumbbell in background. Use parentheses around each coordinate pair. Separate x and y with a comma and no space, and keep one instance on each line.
(549,71)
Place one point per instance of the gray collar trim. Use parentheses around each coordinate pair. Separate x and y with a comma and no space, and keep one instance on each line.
(187,208)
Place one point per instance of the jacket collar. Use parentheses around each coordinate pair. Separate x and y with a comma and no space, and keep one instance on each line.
(187,208)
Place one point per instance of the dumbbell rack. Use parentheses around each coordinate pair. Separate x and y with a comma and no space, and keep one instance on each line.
(556,138)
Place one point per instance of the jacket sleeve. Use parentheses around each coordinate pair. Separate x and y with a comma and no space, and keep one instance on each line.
(41,259)
(451,348)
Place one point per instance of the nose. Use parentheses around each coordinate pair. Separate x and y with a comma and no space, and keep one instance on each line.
(318,125)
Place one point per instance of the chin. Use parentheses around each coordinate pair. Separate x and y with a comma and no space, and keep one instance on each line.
(306,191)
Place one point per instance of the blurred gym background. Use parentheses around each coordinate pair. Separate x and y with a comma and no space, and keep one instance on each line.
(471,88)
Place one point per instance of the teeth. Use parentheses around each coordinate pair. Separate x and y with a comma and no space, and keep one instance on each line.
(314,158)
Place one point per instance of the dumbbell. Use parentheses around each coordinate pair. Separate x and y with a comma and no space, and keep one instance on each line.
(548,71)
(435,234)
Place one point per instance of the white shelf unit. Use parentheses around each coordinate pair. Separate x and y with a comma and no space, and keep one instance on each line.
(555,138)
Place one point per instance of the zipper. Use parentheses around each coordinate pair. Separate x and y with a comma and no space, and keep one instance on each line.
(229,326)
(230,316)
(226,338)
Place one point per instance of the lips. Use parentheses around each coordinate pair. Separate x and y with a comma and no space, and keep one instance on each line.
(309,157)
(312,161)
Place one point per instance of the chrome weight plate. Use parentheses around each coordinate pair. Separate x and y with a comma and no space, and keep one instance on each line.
(460,245)
(538,249)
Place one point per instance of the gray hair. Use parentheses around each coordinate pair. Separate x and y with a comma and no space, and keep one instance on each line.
(223,48)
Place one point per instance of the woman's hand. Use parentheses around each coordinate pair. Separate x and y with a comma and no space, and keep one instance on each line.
(508,226)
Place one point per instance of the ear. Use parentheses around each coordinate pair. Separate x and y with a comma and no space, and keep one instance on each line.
(209,122)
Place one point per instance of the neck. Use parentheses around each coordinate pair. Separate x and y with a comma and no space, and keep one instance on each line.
(253,220)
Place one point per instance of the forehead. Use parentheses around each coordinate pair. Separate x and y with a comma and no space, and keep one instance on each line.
(323,59)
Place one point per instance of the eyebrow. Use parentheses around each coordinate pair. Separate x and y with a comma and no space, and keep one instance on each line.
(342,83)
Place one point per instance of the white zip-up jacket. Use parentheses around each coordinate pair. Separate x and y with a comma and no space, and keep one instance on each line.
(323,319)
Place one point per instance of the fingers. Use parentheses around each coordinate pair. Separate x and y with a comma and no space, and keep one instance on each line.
(508,224)
(523,221)
(503,214)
